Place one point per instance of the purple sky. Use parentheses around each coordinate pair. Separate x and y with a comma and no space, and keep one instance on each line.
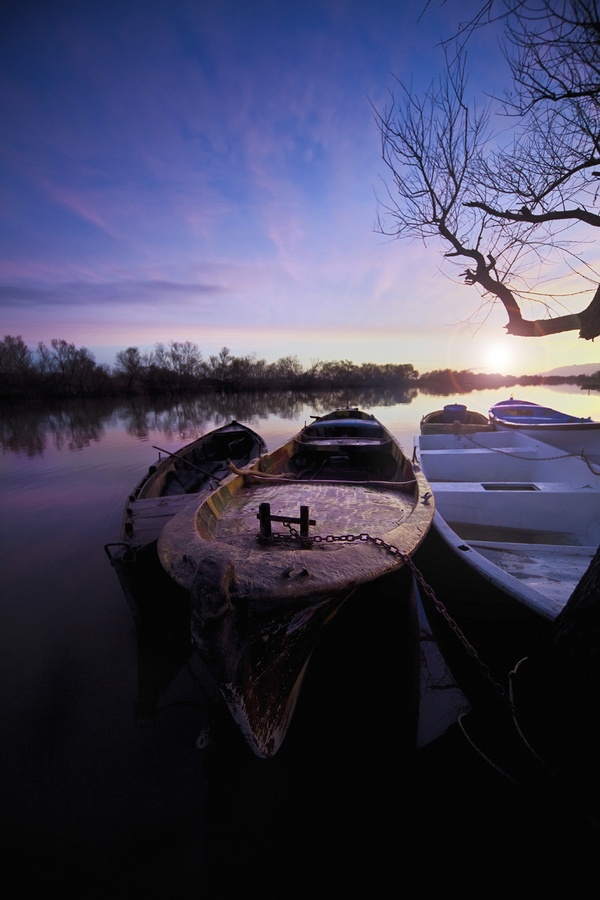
(209,171)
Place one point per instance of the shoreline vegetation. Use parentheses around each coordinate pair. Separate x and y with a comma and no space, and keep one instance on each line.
(64,371)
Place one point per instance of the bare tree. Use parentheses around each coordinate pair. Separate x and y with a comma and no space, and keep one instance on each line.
(16,364)
(129,362)
(179,363)
(507,208)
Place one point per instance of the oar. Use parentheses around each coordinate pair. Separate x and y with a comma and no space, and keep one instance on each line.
(184,460)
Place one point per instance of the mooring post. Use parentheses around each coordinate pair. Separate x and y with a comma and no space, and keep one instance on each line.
(304,521)
(264,517)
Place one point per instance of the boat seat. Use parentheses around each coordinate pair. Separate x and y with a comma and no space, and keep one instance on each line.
(472,465)
(534,505)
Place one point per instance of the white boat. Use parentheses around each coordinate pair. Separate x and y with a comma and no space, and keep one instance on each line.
(522,515)
(569,433)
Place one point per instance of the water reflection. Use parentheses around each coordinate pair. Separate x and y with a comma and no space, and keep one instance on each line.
(70,426)
(102,807)
(76,424)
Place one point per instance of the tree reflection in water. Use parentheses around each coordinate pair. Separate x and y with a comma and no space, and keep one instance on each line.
(76,424)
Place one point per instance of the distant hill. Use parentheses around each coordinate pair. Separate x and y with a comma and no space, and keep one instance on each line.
(587,369)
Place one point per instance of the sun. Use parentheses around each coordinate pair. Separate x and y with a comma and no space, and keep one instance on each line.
(498,358)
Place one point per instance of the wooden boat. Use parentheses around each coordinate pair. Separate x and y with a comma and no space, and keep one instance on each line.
(569,433)
(170,484)
(522,515)
(269,557)
(454,417)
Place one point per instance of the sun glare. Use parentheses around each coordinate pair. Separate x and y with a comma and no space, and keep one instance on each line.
(499,358)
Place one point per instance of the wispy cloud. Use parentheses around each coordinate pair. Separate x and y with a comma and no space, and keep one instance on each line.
(184,169)
(78,294)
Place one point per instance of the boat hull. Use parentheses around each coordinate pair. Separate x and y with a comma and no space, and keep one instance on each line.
(454,419)
(523,517)
(568,433)
(261,596)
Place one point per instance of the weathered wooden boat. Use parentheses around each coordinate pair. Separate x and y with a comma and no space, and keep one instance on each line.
(269,557)
(569,433)
(171,483)
(522,515)
(454,417)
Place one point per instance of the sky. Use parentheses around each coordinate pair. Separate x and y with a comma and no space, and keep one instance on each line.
(210,171)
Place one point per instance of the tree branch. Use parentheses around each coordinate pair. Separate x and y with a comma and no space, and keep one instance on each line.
(525,214)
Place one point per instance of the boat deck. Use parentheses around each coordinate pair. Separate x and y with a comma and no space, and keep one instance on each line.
(338,509)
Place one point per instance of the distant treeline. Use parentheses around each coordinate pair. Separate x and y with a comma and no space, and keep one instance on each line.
(64,370)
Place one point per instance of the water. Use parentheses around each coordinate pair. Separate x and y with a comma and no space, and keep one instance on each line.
(95,804)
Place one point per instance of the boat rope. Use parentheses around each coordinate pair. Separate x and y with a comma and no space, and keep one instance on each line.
(267,477)
(364,537)
(590,464)
(504,452)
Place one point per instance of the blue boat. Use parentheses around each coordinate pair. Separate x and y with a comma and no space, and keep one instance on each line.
(572,434)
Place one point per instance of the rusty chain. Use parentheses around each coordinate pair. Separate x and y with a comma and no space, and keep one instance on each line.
(364,537)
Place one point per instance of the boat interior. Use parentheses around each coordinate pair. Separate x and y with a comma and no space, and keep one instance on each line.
(531,414)
(501,486)
(347,449)
(186,473)
(345,462)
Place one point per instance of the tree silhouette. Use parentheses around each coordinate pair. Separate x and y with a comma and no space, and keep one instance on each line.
(507,210)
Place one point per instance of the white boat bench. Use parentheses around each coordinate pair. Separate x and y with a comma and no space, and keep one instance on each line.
(534,505)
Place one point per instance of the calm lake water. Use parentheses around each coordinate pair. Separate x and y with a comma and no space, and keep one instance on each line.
(96,804)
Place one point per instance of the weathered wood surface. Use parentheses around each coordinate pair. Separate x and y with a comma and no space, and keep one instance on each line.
(260,662)
(149,516)
(264,573)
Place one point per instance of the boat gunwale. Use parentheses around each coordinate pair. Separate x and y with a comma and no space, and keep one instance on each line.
(546,425)
(489,571)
